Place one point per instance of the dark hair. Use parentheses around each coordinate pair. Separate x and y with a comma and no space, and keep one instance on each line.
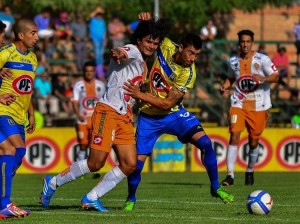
(246,32)
(21,26)
(156,29)
(2,27)
(191,39)
(88,63)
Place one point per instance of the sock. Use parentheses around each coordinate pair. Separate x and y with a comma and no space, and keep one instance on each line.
(20,153)
(209,160)
(134,180)
(231,157)
(77,169)
(7,163)
(253,156)
(81,155)
(110,180)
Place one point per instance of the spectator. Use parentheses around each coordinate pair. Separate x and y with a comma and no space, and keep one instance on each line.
(42,20)
(262,49)
(97,29)
(8,19)
(116,30)
(79,30)
(208,33)
(62,27)
(296,32)
(281,61)
(62,90)
(47,104)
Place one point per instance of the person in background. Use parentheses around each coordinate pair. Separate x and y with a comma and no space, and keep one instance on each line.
(86,93)
(79,30)
(8,19)
(251,74)
(97,31)
(282,63)
(296,31)
(116,31)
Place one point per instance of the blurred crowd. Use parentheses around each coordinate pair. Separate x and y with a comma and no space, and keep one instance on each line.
(68,40)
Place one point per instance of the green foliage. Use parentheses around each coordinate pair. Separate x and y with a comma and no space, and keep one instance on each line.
(184,15)
(163,198)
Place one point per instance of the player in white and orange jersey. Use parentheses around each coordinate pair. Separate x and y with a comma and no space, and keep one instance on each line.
(252,74)
(112,119)
(86,93)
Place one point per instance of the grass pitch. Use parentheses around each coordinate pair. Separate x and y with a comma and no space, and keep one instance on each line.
(163,198)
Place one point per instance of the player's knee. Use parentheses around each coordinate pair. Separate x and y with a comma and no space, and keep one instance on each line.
(128,168)
(9,150)
(94,165)
(204,143)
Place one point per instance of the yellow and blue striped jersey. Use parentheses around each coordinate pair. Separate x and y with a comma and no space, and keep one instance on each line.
(165,74)
(23,68)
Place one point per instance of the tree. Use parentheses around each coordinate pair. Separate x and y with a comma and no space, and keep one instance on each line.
(184,15)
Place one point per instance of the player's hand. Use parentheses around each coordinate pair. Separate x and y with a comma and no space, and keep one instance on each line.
(7,98)
(30,128)
(131,89)
(117,55)
(144,16)
(223,90)
(258,78)
(81,117)
(5,73)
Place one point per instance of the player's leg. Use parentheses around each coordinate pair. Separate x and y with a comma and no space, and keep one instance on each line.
(7,163)
(236,126)
(82,137)
(256,123)
(188,129)
(231,157)
(148,131)
(127,164)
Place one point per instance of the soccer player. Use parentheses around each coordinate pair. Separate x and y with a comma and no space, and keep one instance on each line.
(252,73)
(18,66)
(172,74)
(112,119)
(86,93)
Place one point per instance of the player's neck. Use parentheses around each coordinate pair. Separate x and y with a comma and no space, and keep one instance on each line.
(21,47)
(246,55)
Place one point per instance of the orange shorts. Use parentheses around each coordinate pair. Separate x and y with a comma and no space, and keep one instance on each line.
(254,121)
(110,128)
(83,131)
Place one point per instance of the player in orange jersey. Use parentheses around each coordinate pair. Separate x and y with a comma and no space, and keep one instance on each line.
(252,73)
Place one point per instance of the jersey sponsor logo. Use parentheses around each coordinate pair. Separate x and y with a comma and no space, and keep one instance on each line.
(23,84)
(158,82)
(264,154)
(97,140)
(42,154)
(136,81)
(246,84)
(89,103)
(288,152)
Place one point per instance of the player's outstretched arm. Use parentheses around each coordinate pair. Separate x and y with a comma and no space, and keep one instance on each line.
(31,119)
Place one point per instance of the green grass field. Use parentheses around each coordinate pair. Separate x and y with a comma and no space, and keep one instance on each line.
(162,198)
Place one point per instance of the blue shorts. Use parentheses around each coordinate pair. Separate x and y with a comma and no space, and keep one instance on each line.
(9,127)
(182,124)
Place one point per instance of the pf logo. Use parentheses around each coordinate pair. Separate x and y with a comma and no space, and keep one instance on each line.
(42,154)
(219,144)
(71,151)
(89,103)
(288,152)
(23,84)
(264,156)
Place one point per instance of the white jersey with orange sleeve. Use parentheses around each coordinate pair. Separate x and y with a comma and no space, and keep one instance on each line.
(250,94)
(88,95)
(132,68)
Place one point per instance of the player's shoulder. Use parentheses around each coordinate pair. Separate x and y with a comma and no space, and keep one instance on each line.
(100,83)
(9,48)
(168,43)
(78,84)
(234,59)
(260,56)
